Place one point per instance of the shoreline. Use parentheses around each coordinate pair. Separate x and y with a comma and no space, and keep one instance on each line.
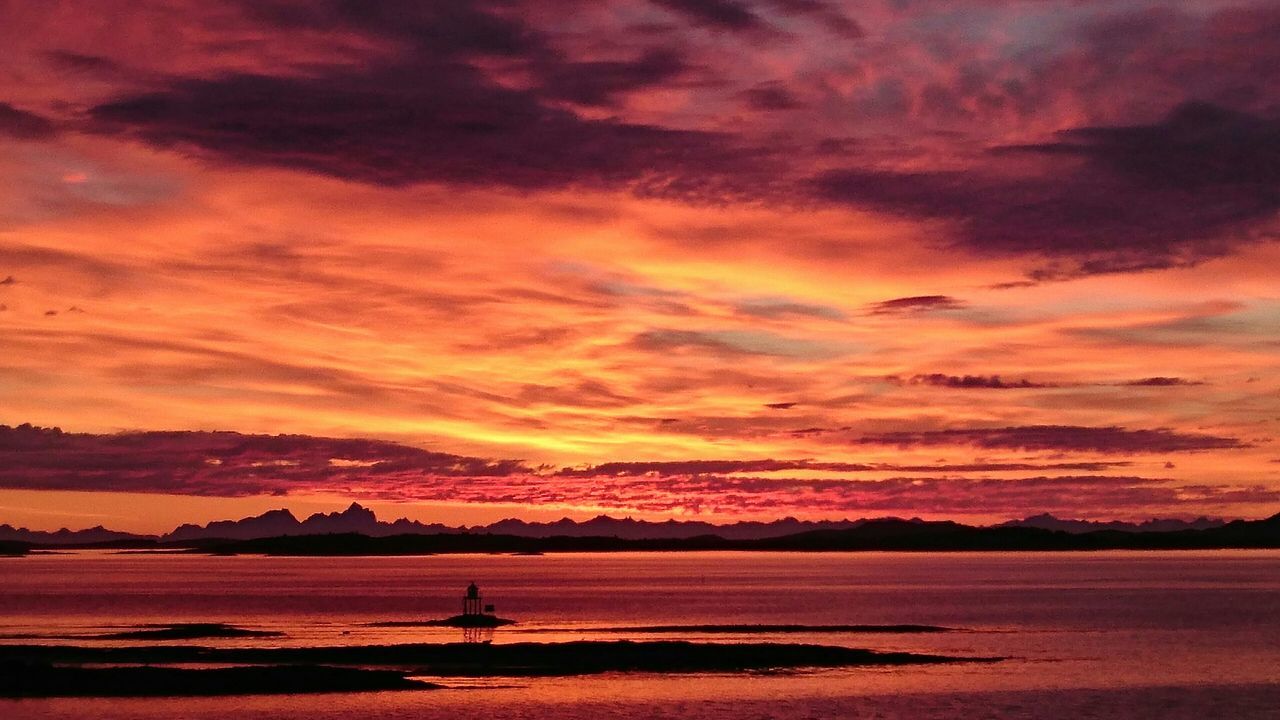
(30,680)
(51,670)
(877,535)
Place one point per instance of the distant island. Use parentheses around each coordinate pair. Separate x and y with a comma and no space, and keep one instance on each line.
(63,671)
(358,520)
(20,678)
(884,535)
(13,548)
(356,531)
(469,621)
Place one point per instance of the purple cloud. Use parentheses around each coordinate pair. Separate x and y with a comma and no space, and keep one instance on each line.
(227,464)
(221,463)
(1070,438)
(920,303)
(726,14)
(969,382)
(1161,382)
(1107,199)
(23,125)
(431,113)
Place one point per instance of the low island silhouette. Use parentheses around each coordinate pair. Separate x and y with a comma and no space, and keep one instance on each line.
(64,670)
(476,613)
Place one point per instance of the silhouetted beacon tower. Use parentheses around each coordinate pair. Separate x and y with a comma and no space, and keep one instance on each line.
(473,604)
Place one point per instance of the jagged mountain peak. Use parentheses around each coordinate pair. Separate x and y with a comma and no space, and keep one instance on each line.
(356,518)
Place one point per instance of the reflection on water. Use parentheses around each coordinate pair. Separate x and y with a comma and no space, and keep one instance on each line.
(1097,632)
(477,635)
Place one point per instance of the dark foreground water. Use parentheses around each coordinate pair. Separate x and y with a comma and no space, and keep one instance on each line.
(1087,635)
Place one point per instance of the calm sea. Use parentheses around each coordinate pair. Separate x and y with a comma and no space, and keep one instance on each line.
(1087,635)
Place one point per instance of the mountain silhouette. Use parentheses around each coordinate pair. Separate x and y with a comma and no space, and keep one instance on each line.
(359,520)
(362,521)
(269,524)
(630,529)
(280,523)
(1045,521)
(881,535)
(96,534)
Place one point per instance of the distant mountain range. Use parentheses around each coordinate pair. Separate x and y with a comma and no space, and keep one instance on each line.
(629,529)
(1075,527)
(92,535)
(362,521)
(885,535)
(278,523)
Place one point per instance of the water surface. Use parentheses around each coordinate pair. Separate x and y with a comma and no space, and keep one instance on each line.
(1086,634)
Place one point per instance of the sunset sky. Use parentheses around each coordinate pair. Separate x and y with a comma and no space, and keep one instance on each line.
(711,259)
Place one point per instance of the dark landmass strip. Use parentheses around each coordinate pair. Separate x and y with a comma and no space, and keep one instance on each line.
(899,535)
(457,621)
(179,631)
(1047,521)
(504,660)
(20,679)
(360,520)
(757,629)
(189,631)
(13,549)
